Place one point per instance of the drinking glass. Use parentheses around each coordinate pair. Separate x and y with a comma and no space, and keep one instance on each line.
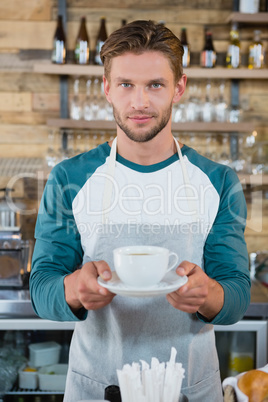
(87,112)
(75,104)
(221,107)
(207,108)
(95,99)
(225,157)
(210,147)
(52,155)
(192,106)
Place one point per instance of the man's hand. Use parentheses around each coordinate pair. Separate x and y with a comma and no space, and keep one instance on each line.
(200,294)
(83,290)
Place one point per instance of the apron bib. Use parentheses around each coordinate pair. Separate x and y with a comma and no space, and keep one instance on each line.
(133,329)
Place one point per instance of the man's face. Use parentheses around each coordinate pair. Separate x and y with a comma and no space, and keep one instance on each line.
(142,91)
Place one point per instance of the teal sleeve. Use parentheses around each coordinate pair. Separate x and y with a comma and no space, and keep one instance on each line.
(57,251)
(225,252)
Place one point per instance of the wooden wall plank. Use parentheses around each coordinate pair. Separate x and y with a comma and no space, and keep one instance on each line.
(28,82)
(26,34)
(19,102)
(203,4)
(18,134)
(29,10)
(22,150)
(27,118)
(39,35)
(44,101)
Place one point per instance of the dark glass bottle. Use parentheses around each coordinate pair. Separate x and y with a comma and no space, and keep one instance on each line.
(59,44)
(186,47)
(208,54)
(81,52)
(101,38)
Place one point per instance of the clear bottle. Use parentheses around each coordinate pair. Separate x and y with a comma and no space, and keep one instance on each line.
(101,38)
(241,355)
(186,47)
(208,54)
(59,44)
(81,52)
(233,56)
(256,52)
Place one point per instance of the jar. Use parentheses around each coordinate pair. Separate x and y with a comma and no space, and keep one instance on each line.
(249,6)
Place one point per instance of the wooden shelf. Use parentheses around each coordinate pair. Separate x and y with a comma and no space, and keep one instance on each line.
(258,18)
(191,72)
(201,126)
(226,73)
(82,124)
(188,126)
(253,179)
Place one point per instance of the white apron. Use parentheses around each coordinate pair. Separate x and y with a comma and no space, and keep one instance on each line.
(133,329)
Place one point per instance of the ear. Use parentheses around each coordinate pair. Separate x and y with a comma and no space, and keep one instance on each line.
(180,88)
(106,88)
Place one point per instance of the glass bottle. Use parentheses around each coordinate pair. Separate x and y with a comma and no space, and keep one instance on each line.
(59,44)
(256,52)
(81,52)
(233,57)
(208,54)
(101,38)
(186,47)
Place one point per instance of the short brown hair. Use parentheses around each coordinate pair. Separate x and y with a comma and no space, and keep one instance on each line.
(140,36)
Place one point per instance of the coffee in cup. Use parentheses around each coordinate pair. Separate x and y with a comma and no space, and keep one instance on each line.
(143,266)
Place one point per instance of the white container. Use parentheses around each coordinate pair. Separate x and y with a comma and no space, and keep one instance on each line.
(44,353)
(249,6)
(28,379)
(53,377)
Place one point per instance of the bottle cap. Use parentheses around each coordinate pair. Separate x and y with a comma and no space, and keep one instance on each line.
(112,393)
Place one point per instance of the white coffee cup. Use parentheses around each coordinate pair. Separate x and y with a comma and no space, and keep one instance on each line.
(143,266)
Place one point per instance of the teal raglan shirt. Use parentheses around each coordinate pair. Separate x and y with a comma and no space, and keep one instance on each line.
(58,251)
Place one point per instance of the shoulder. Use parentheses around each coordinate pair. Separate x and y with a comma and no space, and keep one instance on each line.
(221,177)
(77,170)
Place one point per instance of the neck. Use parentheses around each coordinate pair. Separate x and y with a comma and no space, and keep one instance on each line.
(148,153)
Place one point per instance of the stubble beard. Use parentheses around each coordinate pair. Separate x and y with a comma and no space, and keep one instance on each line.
(144,136)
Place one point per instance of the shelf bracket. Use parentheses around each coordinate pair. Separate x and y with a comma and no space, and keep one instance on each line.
(62,10)
(234,151)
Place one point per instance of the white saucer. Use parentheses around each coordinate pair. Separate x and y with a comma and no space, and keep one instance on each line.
(169,283)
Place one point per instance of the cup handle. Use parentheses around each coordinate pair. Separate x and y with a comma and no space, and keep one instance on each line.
(171,254)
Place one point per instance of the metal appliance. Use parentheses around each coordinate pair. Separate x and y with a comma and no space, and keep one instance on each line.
(15,261)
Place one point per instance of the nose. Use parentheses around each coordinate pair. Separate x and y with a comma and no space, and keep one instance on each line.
(140,99)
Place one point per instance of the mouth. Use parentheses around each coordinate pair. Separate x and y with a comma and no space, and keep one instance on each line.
(140,119)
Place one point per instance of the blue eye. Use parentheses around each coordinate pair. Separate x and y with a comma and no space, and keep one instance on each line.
(125,85)
(156,85)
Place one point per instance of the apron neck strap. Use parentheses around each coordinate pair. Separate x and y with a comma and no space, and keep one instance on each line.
(108,186)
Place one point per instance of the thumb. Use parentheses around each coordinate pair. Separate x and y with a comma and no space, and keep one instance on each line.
(103,270)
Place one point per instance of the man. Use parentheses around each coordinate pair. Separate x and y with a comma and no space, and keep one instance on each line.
(142,188)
